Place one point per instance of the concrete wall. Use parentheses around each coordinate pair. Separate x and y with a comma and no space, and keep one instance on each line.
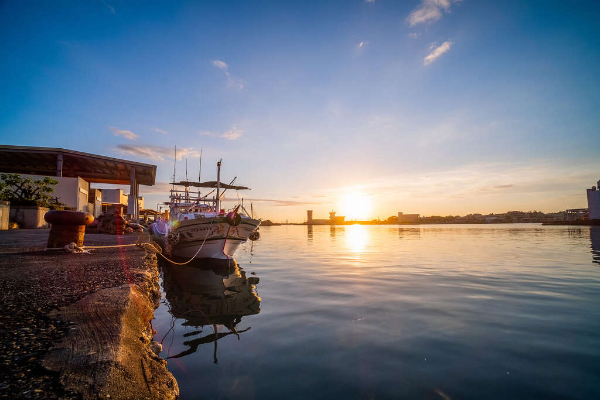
(114,196)
(68,190)
(4,215)
(95,199)
(593,203)
(83,191)
(29,217)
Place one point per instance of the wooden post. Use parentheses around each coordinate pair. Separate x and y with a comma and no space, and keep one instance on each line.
(137,202)
(132,201)
(59,165)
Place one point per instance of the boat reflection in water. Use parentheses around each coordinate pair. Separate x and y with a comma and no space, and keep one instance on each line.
(215,293)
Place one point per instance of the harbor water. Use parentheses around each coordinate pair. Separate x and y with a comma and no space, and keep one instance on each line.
(354,311)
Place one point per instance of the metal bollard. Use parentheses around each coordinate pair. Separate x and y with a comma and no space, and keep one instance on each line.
(67,227)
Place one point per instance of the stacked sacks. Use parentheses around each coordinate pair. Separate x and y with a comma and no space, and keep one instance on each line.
(113,223)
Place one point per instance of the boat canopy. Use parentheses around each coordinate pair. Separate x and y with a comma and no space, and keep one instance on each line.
(209,184)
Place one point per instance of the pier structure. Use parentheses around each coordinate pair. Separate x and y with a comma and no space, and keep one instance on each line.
(79,325)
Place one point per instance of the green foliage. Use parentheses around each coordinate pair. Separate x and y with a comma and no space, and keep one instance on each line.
(26,191)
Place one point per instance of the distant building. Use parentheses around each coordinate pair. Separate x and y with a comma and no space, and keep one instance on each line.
(593,197)
(336,220)
(116,197)
(333,219)
(407,218)
(576,214)
(309,216)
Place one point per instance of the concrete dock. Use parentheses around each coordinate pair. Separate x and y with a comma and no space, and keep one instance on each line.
(79,325)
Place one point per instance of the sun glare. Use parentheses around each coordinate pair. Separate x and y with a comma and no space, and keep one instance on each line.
(356,206)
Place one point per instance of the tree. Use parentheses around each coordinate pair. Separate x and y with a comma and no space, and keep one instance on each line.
(26,191)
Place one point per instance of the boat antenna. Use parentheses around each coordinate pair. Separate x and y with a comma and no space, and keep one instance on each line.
(186,169)
(199,172)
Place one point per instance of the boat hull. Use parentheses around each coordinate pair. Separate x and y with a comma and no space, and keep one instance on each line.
(204,238)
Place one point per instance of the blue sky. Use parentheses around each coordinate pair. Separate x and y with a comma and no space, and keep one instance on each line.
(425,106)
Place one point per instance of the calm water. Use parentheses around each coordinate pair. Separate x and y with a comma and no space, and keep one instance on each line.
(433,312)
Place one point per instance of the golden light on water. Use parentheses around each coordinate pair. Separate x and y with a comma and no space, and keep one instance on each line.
(357,238)
(356,206)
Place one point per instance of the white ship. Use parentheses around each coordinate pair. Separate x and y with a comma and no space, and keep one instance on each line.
(196,226)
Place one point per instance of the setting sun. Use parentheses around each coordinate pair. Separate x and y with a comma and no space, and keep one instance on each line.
(356,206)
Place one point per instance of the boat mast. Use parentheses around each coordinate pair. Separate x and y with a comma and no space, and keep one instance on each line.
(218,186)
(174,167)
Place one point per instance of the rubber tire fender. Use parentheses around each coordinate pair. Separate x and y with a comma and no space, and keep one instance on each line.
(235,221)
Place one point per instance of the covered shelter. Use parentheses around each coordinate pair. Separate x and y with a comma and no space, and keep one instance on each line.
(93,168)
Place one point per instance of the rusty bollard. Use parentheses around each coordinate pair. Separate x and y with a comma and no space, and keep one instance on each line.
(67,227)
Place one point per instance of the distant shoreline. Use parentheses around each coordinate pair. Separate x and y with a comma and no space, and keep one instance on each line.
(575,223)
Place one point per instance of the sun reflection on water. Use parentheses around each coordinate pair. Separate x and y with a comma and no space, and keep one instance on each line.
(357,238)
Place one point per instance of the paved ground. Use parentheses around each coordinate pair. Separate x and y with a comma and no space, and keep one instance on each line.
(35,286)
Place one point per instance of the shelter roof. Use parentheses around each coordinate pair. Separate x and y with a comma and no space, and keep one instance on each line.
(91,167)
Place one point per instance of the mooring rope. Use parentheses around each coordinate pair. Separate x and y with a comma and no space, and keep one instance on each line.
(155,248)
(109,247)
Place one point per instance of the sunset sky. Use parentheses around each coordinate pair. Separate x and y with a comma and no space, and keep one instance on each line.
(367,107)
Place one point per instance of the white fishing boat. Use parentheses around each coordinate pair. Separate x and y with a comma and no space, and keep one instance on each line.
(197,227)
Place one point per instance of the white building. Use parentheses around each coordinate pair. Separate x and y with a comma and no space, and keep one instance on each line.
(116,196)
(593,197)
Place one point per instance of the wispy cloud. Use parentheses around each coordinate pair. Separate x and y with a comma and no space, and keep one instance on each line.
(437,52)
(362,44)
(502,187)
(231,134)
(126,134)
(231,81)
(370,1)
(158,153)
(222,65)
(429,11)
(160,131)
(414,35)
(491,179)
(111,8)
